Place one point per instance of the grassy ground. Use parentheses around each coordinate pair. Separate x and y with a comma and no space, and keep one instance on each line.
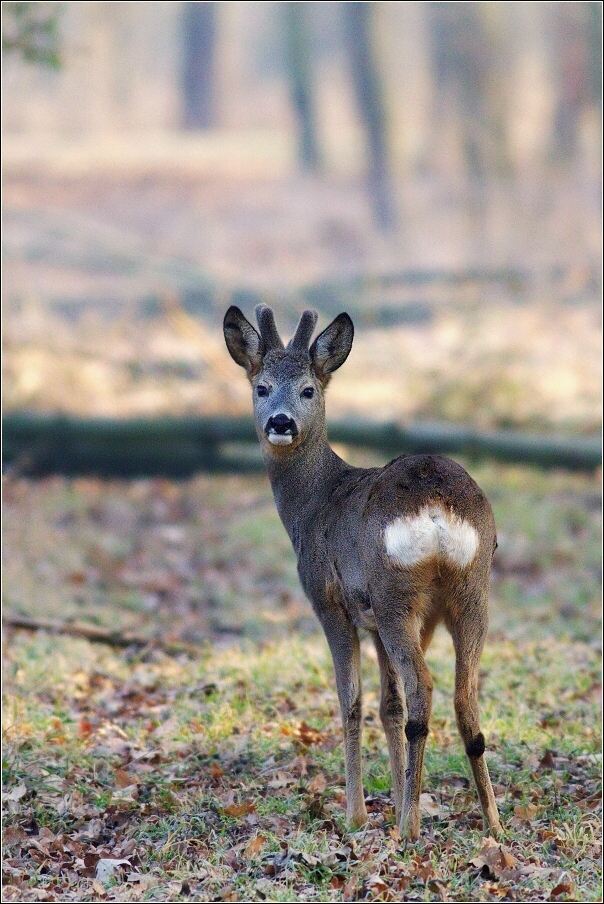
(220,777)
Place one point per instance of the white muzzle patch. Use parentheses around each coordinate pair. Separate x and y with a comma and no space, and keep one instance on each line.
(431,534)
(279,439)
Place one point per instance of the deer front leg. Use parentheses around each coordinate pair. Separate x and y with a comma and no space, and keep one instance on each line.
(344,644)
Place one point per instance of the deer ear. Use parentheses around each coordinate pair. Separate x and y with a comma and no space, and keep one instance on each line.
(243,342)
(331,348)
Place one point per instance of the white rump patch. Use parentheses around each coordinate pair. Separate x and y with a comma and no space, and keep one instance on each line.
(432,533)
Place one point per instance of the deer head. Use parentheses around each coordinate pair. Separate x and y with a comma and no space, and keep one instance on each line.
(288,382)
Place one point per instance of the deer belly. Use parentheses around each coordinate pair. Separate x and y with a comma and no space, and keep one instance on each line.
(432,533)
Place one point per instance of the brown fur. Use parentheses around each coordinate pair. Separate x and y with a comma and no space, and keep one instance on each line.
(336,517)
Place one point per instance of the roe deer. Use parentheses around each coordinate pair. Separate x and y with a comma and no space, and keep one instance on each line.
(393,550)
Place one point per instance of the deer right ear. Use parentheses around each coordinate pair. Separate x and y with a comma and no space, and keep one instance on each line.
(243,342)
(331,348)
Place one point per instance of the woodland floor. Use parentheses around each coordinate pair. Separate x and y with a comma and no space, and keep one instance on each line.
(220,776)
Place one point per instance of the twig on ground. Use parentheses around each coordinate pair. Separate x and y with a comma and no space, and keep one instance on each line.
(96,634)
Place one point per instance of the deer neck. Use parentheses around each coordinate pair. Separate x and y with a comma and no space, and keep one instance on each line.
(301,481)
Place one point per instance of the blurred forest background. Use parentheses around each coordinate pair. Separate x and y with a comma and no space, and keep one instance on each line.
(433,168)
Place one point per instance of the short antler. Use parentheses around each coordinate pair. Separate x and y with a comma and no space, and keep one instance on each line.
(268,330)
(304,330)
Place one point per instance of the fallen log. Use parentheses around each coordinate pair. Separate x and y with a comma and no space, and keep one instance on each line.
(574,453)
(36,445)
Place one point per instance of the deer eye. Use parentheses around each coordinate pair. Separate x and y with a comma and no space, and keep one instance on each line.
(308,393)
(262,390)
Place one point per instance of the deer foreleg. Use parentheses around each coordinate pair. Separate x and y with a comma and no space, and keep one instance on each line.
(344,644)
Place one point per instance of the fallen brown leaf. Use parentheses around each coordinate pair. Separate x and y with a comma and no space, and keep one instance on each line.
(547,760)
(562,888)
(299,766)
(232,859)
(526,811)
(85,727)
(124,779)
(438,888)
(376,885)
(303,733)
(590,803)
(547,835)
(90,861)
(497,889)
(493,859)
(242,809)
(254,847)
(349,892)
(425,873)
(318,784)
(216,771)
(14,835)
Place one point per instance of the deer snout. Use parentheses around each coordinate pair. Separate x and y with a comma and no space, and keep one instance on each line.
(280,429)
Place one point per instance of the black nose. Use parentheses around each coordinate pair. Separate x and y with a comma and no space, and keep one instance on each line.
(281,424)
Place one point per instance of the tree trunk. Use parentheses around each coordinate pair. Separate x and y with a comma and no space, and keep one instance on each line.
(369,96)
(299,69)
(199,30)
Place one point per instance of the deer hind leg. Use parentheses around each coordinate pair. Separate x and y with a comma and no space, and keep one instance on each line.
(392,714)
(402,643)
(428,627)
(468,640)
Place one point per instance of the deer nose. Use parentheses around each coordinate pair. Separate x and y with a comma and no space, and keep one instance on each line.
(281,424)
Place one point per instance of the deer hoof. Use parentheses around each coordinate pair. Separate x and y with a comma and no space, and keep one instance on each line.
(409,827)
(357,819)
(496,830)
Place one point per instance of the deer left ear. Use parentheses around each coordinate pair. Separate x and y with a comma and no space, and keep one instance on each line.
(331,348)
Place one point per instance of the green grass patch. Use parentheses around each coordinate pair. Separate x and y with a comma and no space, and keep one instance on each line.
(222,777)
(205,789)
